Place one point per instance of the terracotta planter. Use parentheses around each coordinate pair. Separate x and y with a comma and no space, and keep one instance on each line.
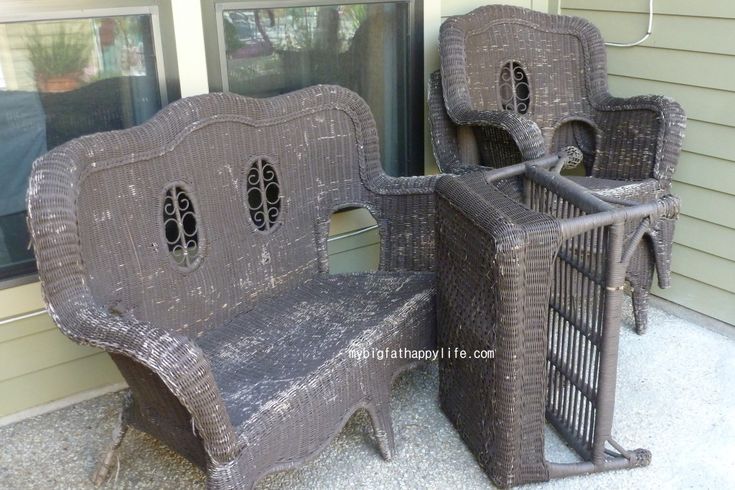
(63,83)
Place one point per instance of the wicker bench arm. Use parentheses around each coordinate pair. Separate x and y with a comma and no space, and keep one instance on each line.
(443,131)
(405,214)
(473,202)
(174,358)
(177,360)
(524,132)
(652,128)
(494,259)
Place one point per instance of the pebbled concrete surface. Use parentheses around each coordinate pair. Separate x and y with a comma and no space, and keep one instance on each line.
(676,397)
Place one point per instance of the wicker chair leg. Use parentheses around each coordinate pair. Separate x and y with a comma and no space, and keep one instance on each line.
(641,285)
(118,433)
(383,426)
(640,307)
(640,275)
(662,239)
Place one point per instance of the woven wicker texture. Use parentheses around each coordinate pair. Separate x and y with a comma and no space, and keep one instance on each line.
(492,259)
(562,88)
(237,338)
(538,280)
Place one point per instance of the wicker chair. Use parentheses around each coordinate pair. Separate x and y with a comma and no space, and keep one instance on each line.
(516,84)
(538,281)
(193,249)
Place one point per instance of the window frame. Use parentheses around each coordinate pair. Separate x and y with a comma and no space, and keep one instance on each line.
(214,39)
(18,11)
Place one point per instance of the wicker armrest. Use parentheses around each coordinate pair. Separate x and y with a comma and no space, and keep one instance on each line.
(446,139)
(666,107)
(524,132)
(176,359)
(444,132)
(488,207)
(405,215)
(653,128)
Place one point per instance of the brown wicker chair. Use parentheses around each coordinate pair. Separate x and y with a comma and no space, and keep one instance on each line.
(516,84)
(193,249)
(538,279)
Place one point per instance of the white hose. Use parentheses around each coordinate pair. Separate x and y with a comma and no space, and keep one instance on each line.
(648,32)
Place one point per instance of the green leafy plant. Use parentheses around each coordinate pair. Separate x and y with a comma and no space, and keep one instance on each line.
(58,54)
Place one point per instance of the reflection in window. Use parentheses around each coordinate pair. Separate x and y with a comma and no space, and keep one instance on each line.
(363,47)
(62,79)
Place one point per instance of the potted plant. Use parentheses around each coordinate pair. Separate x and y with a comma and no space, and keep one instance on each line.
(58,59)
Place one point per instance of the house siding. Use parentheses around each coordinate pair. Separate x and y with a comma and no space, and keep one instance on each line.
(690,57)
(38,364)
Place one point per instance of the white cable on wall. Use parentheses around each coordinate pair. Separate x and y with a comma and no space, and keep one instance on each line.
(648,32)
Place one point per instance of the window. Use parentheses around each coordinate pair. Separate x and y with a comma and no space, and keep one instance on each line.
(269,48)
(62,77)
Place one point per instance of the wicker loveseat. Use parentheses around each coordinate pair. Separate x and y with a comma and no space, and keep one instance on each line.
(193,249)
(516,84)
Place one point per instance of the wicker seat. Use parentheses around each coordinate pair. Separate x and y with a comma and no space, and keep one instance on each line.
(516,84)
(258,358)
(193,249)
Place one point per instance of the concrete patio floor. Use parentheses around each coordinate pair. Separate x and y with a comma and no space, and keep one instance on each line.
(676,397)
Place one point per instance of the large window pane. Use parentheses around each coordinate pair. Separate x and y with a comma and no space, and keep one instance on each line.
(364,47)
(61,79)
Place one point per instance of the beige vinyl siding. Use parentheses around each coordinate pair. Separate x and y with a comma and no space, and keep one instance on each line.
(688,8)
(38,364)
(57,382)
(690,57)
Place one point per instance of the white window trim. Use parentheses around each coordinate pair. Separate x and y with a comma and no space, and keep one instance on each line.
(190,51)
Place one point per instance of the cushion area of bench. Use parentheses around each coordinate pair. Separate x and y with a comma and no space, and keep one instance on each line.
(264,359)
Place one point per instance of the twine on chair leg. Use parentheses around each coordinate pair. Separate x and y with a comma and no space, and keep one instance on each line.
(118,433)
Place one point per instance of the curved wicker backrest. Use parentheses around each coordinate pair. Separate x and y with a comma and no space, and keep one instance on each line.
(498,57)
(218,200)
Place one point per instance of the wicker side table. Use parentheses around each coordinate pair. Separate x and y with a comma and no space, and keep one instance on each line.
(537,277)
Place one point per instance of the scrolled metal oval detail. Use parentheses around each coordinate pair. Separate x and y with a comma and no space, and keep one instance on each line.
(181,226)
(514,89)
(263,195)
